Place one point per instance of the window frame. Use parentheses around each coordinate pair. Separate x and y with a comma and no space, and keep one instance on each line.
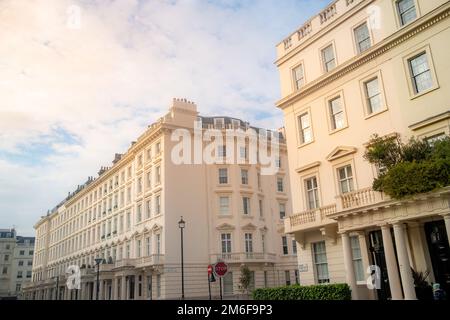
(365,98)
(219,176)
(399,19)
(316,263)
(324,63)
(221,206)
(347,178)
(408,72)
(300,130)
(316,192)
(295,86)
(328,100)
(355,40)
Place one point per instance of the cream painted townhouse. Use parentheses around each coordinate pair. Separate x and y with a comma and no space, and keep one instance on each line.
(16,263)
(129,216)
(358,68)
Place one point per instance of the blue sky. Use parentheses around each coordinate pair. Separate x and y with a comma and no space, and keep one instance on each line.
(74,92)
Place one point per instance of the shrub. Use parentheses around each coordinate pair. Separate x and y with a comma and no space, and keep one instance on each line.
(297,292)
(412,168)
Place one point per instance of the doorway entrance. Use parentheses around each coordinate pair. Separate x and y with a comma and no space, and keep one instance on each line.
(377,254)
(439,249)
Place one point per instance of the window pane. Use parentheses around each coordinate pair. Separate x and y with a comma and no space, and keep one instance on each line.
(362,37)
(423,82)
(304,121)
(407,11)
(298,76)
(419,64)
(372,88)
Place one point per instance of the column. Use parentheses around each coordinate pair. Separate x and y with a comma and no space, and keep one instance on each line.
(365,257)
(116,288)
(422,260)
(447,226)
(403,261)
(94,294)
(124,289)
(348,262)
(144,286)
(391,263)
(81,291)
(136,287)
(102,290)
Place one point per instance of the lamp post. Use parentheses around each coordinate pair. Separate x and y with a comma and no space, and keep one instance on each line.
(97,262)
(181,225)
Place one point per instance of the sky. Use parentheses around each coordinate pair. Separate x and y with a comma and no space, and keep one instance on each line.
(80,80)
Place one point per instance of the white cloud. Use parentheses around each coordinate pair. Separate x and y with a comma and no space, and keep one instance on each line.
(106,81)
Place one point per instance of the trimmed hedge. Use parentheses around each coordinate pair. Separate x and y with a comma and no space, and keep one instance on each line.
(339,291)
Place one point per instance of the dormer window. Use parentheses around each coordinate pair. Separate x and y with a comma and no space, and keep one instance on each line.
(219,123)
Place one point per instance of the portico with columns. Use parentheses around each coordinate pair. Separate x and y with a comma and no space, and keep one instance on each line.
(404,243)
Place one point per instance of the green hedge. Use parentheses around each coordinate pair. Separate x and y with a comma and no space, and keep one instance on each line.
(297,292)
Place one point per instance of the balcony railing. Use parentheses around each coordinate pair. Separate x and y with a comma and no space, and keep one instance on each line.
(154,259)
(360,198)
(311,216)
(124,263)
(244,256)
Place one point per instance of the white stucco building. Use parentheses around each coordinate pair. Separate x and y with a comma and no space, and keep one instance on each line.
(16,263)
(129,217)
(358,68)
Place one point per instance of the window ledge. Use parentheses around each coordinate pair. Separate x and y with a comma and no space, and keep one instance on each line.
(418,95)
(338,130)
(305,144)
(374,114)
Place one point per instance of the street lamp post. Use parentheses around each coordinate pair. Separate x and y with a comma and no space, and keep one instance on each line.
(181,225)
(98,261)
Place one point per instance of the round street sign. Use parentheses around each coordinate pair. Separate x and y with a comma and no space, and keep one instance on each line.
(210,269)
(220,269)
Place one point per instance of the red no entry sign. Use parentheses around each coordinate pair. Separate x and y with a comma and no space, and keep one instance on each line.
(220,269)
(210,269)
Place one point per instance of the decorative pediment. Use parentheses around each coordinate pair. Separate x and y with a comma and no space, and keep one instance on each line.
(308,166)
(249,227)
(340,152)
(225,226)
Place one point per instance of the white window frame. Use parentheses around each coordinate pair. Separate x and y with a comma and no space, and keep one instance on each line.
(331,116)
(302,130)
(320,278)
(400,19)
(357,42)
(246,207)
(298,83)
(324,63)
(225,177)
(222,207)
(350,186)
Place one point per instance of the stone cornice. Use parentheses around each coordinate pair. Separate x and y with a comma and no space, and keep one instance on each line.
(118,165)
(389,43)
(321,32)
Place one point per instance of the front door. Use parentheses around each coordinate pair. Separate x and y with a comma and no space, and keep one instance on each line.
(377,252)
(439,252)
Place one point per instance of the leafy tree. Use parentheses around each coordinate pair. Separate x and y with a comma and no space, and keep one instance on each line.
(245,279)
(411,168)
